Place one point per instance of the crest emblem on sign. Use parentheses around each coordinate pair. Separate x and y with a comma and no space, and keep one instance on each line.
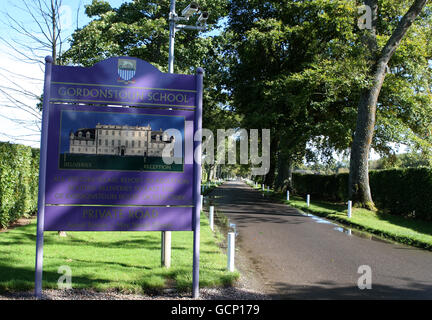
(126,70)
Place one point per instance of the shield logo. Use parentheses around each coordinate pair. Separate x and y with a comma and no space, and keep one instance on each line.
(126,70)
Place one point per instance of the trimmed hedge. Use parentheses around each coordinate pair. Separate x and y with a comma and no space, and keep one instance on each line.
(19,170)
(323,187)
(405,192)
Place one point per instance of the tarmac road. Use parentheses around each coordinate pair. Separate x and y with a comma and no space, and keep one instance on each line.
(293,256)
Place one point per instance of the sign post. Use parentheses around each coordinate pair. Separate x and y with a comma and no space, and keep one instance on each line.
(197,183)
(42,179)
(104,167)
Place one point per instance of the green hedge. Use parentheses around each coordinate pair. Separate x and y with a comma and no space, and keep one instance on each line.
(323,187)
(404,192)
(19,168)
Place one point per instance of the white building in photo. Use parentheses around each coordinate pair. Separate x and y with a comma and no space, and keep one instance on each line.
(121,140)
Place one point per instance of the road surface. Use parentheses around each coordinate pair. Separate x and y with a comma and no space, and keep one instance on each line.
(289,255)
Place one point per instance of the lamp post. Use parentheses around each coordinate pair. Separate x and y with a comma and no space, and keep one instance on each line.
(189,11)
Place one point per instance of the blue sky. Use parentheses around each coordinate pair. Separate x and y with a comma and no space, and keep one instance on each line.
(72,13)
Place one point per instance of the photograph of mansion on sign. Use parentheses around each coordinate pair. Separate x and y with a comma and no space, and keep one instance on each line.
(120,140)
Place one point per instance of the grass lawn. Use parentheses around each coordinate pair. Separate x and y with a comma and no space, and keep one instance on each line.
(408,231)
(123,261)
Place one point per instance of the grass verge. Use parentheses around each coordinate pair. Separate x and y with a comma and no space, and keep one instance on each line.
(128,262)
(407,231)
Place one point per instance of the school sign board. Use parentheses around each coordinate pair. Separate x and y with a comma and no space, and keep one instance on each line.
(107,131)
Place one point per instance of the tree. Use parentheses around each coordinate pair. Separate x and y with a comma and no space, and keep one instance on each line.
(292,69)
(37,33)
(298,68)
(403,160)
(140,29)
(359,190)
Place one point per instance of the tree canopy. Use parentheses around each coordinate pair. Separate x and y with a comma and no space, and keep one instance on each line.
(298,68)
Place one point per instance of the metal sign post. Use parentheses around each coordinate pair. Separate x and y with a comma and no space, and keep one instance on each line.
(42,179)
(173,28)
(197,183)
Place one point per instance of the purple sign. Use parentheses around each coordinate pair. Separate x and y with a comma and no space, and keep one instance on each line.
(116,151)
(111,158)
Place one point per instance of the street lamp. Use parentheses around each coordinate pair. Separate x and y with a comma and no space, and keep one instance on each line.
(189,11)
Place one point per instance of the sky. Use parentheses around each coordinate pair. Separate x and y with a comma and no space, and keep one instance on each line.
(16,125)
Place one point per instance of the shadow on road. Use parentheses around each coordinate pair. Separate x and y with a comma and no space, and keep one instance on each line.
(321,291)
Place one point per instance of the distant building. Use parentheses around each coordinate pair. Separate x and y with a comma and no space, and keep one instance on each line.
(121,140)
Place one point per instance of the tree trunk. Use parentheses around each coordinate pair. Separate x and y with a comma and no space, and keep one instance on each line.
(289,185)
(270,176)
(280,177)
(283,181)
(359,189)
(208,172)
(54,13)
